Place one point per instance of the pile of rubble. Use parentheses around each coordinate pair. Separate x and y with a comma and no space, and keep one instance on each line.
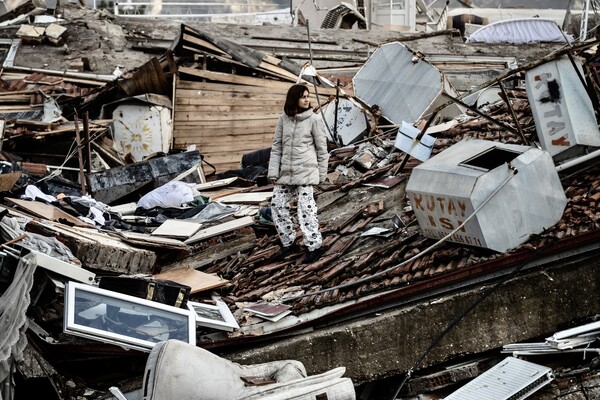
(120,232)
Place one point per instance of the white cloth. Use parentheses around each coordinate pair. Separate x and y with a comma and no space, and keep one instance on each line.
(171,194)
(32,192)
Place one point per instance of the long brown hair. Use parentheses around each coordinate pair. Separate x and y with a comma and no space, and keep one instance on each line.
(292,98)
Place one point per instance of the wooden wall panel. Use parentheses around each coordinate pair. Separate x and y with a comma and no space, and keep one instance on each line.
(226,121)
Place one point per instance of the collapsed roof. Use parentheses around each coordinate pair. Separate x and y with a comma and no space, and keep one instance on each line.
(376,251)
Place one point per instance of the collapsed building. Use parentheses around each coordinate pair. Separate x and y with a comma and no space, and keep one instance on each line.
(459,226)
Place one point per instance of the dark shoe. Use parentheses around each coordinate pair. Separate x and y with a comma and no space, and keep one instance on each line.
(312,256)
(286,251)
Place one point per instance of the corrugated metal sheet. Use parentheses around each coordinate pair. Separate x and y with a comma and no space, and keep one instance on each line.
(511,379)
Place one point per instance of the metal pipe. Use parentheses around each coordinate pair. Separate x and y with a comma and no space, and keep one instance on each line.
(577,161)
(315,84)
(476,111)
(512,112)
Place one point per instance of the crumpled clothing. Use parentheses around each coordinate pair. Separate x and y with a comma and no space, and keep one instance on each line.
(171,194)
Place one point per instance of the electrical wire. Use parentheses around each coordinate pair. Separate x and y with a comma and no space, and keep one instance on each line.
(461,316)
(416,256)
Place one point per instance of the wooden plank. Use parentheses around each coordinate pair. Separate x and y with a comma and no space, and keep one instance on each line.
(147,240)
(224,100)
(232,78)
(46,211)
(220,229)
(227,87)
(242,91)
(217,138)
(224,156)
(232,146)
(278,71)
(215,184)
(267,124)
(235,108)
(99,251)
(174,228)
(246,198)
(193,116)
(203,44)
(199,281)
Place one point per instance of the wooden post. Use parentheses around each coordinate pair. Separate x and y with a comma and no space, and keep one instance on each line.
(88,145)
(80,156)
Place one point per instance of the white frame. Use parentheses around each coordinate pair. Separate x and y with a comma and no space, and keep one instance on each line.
(138,305)
(226,321)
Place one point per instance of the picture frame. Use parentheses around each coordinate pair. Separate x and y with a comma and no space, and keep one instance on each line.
(216,316)
(132,322)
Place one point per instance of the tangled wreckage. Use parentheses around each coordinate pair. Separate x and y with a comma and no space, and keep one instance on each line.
(460,215)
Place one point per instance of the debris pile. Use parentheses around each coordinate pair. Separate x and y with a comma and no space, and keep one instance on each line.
(136,208)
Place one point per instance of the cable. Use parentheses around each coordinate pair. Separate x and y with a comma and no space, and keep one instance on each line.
(442,240)
(315,86)
(459,318)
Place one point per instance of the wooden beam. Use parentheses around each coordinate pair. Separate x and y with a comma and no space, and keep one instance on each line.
(231,78)
(206,233)
(237,108)
(192,116)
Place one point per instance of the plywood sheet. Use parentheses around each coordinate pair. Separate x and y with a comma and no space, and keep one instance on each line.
(174,228)
(146,240)
(199,281)
(220,229)
(246,198)
(46,211)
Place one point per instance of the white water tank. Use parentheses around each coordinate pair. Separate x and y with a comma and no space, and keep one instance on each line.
(446,189)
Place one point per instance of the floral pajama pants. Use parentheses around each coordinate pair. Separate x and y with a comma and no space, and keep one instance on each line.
(307,215)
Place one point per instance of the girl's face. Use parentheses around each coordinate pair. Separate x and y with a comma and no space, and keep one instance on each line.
(304,102)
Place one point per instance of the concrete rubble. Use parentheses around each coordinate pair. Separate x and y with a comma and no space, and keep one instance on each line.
(135,209)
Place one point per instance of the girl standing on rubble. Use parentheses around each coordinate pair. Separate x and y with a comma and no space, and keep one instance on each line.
(298,162)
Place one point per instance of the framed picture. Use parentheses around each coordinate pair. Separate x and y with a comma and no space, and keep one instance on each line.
(216,316)
(124,320)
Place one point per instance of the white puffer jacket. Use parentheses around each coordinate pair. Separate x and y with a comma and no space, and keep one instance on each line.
(299,152)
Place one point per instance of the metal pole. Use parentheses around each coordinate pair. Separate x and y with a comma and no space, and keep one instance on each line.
(315,85)
(88,146)
(337,104)
(584,21)
(476,111)
(512,112)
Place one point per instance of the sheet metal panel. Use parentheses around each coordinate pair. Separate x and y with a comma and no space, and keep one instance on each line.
(397,80)
(351,121)
(562,110)
(445,190)
(512,379)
